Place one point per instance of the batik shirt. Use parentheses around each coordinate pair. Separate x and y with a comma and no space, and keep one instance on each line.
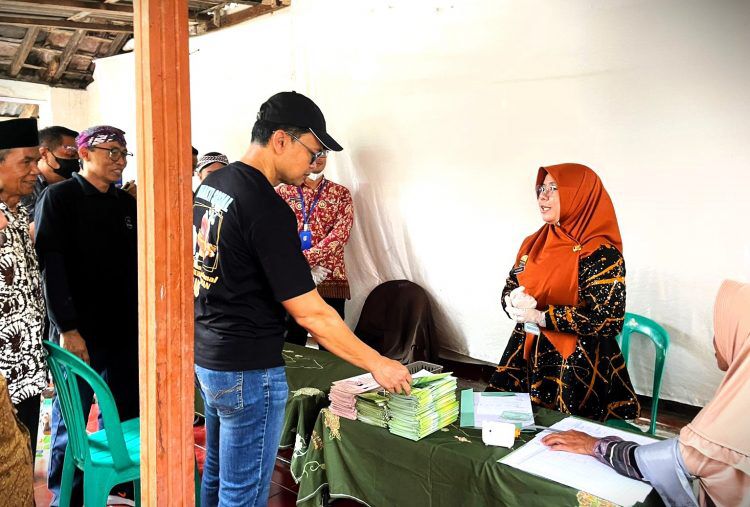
(21,309)
(593,381)
(330,224)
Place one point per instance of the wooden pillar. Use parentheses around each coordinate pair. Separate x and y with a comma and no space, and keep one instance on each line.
(164,251)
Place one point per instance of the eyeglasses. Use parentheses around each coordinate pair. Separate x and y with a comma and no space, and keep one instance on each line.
(70,150)
(546,190)
(314,155)
(115,154)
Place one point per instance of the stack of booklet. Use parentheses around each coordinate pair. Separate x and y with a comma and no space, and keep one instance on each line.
(431,405)
(344,393)
(372,408)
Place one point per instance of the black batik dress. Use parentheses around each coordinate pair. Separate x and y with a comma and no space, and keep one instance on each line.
(593,381)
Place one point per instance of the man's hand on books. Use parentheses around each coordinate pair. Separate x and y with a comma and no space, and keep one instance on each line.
(392,375)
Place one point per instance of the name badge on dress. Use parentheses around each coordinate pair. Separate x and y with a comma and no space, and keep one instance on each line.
(530,327)
(305,238)
(521,265)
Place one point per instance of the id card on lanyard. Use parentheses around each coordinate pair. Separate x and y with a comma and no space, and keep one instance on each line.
(305,235)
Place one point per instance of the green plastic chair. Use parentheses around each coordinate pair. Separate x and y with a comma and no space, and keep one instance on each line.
(107,457)
(660,338)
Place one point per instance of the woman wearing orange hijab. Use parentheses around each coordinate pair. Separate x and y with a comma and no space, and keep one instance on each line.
(715,447)
(567,293)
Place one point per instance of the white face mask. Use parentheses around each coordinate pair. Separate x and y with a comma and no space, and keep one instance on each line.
(315,176)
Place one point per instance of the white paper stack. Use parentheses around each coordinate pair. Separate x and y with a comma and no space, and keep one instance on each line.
(580,472)
(344,393)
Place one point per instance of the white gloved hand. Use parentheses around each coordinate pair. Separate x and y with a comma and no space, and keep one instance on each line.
(520,299)
(319,273)
(527,315)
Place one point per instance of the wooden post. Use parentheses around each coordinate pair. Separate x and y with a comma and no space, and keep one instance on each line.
(164,251)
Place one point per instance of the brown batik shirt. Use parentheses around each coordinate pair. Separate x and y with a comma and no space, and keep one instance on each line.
(21,309)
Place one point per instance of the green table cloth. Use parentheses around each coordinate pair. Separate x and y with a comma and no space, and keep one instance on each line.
(449,468)
(309,374)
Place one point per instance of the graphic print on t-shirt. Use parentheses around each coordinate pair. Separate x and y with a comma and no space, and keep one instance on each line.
(206,235)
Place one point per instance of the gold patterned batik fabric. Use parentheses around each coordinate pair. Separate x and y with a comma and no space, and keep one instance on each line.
(16,465)
(593,381)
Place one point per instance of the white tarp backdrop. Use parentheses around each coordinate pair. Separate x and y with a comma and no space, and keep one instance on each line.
(446,110)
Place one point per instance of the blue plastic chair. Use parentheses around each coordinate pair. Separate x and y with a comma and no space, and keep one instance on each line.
(660,338)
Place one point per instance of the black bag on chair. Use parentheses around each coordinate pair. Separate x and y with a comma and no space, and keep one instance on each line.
(396,320)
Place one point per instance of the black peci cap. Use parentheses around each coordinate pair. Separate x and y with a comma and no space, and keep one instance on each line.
(18,133)
(294,109)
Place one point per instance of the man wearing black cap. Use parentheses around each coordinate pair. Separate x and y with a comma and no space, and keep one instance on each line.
(249,269)
(21,304)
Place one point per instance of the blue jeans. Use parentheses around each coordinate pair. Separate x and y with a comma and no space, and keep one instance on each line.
(244,415)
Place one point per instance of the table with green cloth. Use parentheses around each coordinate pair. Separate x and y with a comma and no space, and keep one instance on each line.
(450,468)
(309,374)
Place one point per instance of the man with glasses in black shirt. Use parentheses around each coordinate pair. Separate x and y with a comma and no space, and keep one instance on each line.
(86,240)
(248,272)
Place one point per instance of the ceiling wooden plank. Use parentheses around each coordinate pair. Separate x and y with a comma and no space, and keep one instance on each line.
(34,78)
(60,23)
(79,16)
(74,5)
(116,45)
(67,55)
(30,111)
(244,15)
(23,50)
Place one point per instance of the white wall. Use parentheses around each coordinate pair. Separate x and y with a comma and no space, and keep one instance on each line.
(446,109)
(57,106)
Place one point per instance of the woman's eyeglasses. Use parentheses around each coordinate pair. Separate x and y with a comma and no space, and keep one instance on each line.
(114,154)
(314,155)
(545,189)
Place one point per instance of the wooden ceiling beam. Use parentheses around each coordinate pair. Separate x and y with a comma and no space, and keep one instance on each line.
(35,78)
(23,50)
(74,6)
(61,23)
(244,15)
(116,45)
(67,55)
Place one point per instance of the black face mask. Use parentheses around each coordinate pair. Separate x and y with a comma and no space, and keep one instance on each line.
(67,166)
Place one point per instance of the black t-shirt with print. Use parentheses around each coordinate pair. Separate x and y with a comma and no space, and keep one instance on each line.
(246,260)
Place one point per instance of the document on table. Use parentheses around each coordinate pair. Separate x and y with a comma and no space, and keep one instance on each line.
(514,408)
(583,473)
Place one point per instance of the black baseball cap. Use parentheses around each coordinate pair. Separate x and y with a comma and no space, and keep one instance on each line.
(294,109)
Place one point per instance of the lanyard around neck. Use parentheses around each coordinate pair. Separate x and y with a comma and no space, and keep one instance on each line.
(306,214)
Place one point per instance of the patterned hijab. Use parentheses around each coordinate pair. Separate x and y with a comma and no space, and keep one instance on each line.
(720,430)
(587,221)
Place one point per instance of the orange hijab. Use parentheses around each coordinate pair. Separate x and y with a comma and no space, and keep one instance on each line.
(720,431)
(587,221)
